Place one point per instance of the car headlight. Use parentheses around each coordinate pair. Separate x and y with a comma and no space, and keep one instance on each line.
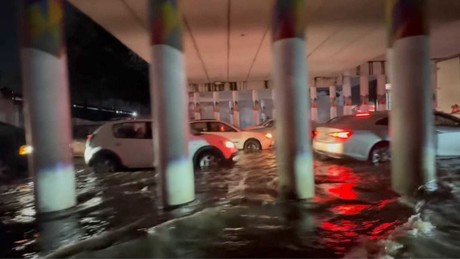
(25,150)
(269,135)
(229,144)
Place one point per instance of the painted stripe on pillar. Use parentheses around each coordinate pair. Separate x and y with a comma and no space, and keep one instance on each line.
(43,26)
(166,24)
(289,20)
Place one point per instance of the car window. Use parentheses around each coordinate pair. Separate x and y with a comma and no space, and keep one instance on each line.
(382,122)
(197,127)
(444,121)
(220,127)
(133,130)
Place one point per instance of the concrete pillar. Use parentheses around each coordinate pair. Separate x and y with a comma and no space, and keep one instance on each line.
(381,93)
(333,101)
(215,101)
(230,112)
(434,83)
(196,102)
(273,94)
(364,92)
(171,128)
(236,109)
(314,104)
(411,126)
(47,105)
(294,154)
(255,108)
(347,107)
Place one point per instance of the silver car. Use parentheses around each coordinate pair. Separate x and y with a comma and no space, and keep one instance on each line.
(364,136)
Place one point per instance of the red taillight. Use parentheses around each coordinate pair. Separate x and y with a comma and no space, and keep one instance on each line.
(314,133)
(363,114)
(341,134)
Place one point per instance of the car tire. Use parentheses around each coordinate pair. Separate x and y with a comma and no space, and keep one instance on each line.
(380,153)
(105,164)
(208,158)
(252,145)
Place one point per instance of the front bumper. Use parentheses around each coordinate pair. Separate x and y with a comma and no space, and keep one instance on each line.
(233,159)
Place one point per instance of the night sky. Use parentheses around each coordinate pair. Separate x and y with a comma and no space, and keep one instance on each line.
(100,67)
(9,52)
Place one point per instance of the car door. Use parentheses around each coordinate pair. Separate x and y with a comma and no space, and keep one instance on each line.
(133,143)
(447,135)
(227,131)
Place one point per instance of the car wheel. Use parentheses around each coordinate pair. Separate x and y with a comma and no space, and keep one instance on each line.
(208,159)
(105,164)
(252,145)
(380,153)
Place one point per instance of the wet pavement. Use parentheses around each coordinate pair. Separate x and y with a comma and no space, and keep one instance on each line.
(236,214)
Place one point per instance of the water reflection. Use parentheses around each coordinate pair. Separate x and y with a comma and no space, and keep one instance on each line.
(55,233)
(353,202)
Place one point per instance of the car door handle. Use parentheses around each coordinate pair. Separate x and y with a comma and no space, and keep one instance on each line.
(117,144)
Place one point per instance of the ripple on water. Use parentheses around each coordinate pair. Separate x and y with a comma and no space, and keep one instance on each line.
(353,203)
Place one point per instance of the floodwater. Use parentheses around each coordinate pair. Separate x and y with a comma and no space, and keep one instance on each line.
(236,214)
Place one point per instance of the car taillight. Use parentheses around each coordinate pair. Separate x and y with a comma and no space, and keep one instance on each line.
(363,114)
(341,134)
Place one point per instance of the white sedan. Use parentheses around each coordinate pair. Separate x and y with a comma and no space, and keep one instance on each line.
(364,136)
(247,140)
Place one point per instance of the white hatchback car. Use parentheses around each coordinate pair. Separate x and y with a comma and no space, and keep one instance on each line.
(128,144)
(247,140)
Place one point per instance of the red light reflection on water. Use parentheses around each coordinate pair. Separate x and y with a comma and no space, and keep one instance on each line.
(350,209)
(344,191)
(342,226)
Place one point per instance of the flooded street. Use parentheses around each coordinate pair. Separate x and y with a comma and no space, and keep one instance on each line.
(237,214)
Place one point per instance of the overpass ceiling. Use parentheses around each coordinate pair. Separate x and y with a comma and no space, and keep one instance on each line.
(231,39)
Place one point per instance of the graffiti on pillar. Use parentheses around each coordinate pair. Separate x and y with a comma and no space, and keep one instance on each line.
(256,106)
(408,18)
(216,107)
(314,103)
(43,30)
(348,101)
(166,27)
(235,107)
(289,20)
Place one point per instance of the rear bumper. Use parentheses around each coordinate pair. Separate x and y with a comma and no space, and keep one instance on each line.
(334,150)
